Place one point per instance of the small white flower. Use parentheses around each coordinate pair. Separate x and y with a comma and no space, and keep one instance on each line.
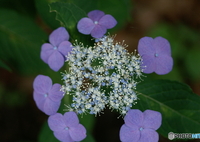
(94,69)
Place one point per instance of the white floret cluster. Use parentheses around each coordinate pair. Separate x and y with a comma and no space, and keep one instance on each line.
(102,76)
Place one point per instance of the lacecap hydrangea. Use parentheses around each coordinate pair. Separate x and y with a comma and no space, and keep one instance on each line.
(99,76)
(102,75)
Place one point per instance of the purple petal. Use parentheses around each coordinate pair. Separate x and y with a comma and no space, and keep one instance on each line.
(98,31)
(134,118)
(57,36)
(42,84)
(39,100)
(149,135)
(55,94)
(164,65)
(107,21)
(47,50)
(149,63)
(162,46)
(78,133)
(65,47)
(71,119)
(152,119)
(63,136)
(145,46)
(96,15)
(85,26)
(56,122)
(46,46)
(56,60)
(126,134)
(50,107)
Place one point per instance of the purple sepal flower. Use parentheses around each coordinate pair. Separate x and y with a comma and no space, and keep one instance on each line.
(140,127)
(55,52)
(47,96)
(66,127)
(97,23)
(156,55)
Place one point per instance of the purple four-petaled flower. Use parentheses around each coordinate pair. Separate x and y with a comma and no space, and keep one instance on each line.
(156,55)
(66,127)
(140,127)
(97,23)
(55,52)
(47,96)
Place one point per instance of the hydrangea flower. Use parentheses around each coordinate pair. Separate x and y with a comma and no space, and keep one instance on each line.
(140,127)
(66,127)
(102,75)
(47,96)
(54,53)
(156,55)
(97,23)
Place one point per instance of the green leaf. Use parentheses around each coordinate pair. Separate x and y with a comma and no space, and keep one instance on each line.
(179,106)
(46,135)
(70,12)
(193,67)
(5,66)
(20,42)
(89,138)
(87,121)
(91,4)
(120,9)
(44,11)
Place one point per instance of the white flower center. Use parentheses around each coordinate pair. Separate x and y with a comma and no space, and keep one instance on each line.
(55,48)
(94,69)
(66,128)
(96,22)
(141,128)
(156,54)
(45,95)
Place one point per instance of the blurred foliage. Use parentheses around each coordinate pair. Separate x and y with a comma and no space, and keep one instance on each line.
(179,106)
(46,134)
(5,66)
(24,7)
(20,40)
(47,16)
